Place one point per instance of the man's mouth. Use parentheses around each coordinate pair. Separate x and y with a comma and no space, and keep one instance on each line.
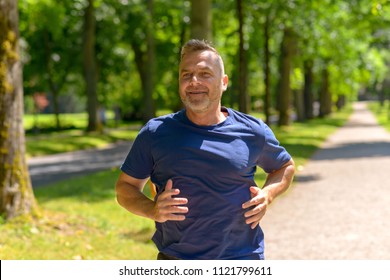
(196,92)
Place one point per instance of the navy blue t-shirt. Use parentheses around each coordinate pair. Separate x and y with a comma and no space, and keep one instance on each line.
(213,166)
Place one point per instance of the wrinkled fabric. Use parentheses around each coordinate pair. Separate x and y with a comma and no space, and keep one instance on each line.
(213,166)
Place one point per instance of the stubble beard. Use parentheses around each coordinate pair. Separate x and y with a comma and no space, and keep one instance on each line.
(197,105)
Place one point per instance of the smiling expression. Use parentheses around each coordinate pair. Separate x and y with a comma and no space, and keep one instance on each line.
(202,81)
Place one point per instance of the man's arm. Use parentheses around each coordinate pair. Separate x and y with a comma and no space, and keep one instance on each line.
(130,196)
(276,183)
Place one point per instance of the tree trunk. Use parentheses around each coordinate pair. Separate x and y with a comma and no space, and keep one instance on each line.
(299,106)
(243,103)
(148,77)
(176,103)
(325,95)
(201,20)
(341,100)
(145,62)
(49,70)
(90,74)
(267,72)
(386,88)
(308,90)
(16,194)
(284,90)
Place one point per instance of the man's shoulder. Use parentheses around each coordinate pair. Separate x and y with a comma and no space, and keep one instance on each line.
(153,124)
(245,119)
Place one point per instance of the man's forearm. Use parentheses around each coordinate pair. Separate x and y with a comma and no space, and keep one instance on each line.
(134,201)
(278,181)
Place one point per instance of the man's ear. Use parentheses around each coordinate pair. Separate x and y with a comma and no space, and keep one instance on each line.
(225,81)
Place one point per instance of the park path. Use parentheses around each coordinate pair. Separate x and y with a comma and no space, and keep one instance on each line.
(339,206)
(50,169)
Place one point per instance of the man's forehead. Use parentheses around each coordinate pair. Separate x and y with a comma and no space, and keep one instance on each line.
(202,54)
(200,59)
(197,67)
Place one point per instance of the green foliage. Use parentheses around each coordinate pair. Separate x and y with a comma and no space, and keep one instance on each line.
(48,15)
(349,37)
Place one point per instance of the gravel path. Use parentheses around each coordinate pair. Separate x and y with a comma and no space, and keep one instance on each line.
(339,206)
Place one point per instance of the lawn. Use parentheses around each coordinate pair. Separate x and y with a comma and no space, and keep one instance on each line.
(72,136)
(382,113)
(73,140)
(81,219)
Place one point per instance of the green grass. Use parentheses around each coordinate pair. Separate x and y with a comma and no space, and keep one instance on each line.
(82,220)
(72,136)
(45,121)
(382,114)
(74,140)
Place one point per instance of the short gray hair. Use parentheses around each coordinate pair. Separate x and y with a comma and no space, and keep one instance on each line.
(195,45)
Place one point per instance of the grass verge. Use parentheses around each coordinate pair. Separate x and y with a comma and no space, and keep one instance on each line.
(74,140)
(382,113)
(80,220)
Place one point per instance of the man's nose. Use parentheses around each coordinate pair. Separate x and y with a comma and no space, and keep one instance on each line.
(194,79)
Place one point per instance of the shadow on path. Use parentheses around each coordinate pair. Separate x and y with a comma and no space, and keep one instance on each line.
(354,150)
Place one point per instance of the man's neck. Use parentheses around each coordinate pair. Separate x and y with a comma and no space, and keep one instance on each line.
(207,118)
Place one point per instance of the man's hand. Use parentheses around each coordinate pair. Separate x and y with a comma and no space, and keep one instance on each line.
(169,208)
(258,204)
(276,183)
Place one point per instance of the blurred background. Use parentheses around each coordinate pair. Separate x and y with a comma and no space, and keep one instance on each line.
(282,57)
(83,74)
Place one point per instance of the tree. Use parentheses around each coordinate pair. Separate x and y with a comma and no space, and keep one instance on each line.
(325,95)
(16,194)
(267,71)
(201,20)
(141,30)
(242,66)
(285,66)
(148,70)
(90,74)
(50,25)
(138,44)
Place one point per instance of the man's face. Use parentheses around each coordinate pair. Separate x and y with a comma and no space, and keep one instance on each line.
(201,81)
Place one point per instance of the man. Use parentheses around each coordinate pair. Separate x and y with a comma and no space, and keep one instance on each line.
(202,160)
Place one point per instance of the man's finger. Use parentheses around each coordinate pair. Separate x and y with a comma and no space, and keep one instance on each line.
(169,185)
(254,191)
(168,189)
(179,201)
(174,217)
(250,203)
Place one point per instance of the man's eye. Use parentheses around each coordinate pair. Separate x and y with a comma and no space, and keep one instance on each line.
(186,75)
(205,74)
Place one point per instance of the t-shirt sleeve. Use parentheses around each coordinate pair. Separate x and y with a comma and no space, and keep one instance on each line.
(273,155)
(139,161)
